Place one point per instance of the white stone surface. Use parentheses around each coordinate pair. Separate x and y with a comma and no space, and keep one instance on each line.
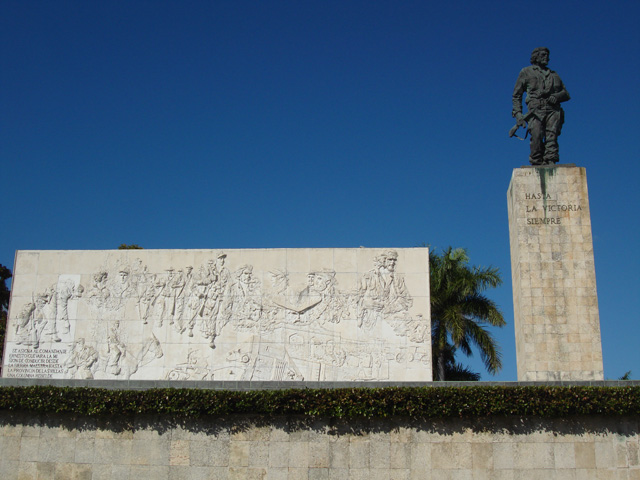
(555,300)
(268,315)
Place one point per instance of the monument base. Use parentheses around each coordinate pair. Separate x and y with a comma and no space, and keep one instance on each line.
(555,301)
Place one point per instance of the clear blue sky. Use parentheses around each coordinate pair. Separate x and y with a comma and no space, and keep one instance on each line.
(237,124)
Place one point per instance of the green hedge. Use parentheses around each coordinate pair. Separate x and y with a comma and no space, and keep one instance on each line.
(421,402)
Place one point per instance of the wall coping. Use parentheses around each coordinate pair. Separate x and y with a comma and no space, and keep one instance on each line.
(270,385)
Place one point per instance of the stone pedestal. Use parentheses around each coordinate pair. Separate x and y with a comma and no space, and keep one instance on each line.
(554,284)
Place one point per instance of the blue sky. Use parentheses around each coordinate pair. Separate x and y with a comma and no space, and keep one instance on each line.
(250,124)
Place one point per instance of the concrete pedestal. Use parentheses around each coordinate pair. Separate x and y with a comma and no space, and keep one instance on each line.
(555,300)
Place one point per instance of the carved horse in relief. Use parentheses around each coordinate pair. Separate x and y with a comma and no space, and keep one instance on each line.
(131,360)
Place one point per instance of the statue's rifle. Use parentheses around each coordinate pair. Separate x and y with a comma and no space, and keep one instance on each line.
(522,122)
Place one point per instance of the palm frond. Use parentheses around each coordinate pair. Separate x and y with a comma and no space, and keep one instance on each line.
(460,312)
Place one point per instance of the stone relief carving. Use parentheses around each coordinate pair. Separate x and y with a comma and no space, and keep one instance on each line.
(117,360)
(281,331)
(124,361)
(382,293)
(81,361)
(383,296)
(47,314)
(195,368)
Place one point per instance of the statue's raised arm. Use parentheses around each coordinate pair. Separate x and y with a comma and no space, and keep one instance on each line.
(544,118)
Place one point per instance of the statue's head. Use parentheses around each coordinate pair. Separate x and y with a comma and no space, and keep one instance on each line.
(387,260)
(243,274)
(391,258)
(540,56)
(100,277)
(324,280)
(124,274)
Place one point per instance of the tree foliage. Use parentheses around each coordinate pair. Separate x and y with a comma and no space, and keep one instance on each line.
(5,274)
(461,313)
(454,371)
(133,246)
(407,402)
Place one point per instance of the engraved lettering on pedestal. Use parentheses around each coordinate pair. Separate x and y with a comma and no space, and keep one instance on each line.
(534,210)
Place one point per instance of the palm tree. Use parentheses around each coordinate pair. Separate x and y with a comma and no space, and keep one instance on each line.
(460,312)
(453,371)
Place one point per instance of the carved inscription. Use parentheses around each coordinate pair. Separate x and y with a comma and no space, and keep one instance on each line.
(542,209)
(32,363)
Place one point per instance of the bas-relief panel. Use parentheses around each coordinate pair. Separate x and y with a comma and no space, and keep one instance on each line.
(288,314)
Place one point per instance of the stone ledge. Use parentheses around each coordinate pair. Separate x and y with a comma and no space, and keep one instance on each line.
(557,165)
(249,386)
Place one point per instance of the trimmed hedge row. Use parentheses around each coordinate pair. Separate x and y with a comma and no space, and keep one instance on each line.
(422,402)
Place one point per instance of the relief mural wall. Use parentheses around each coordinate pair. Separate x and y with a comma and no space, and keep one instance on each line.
(274,315)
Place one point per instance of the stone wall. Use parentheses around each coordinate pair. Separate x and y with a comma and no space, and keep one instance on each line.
(333,314)
(64,447)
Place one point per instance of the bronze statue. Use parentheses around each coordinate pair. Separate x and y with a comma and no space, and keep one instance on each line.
(544,118)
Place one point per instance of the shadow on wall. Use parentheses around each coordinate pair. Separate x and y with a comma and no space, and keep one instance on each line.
(292,425)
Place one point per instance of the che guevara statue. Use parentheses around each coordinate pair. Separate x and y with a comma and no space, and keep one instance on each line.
(544,117)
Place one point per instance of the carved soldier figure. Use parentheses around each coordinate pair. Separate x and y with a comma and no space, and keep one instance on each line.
(183,285)
(66,292)
(382,292)
(81,360)
(163,299)
(26,326)
(168,294)
(146,296)
(245,302)
(331,307)
(141,286)
(122,285)
(99,293)
(214,316)
(115,349)
(50,310)
(545,92)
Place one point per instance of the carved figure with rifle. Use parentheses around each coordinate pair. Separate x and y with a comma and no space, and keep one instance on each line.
(545,117)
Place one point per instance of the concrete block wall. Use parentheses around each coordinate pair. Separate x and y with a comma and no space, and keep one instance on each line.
(242,447)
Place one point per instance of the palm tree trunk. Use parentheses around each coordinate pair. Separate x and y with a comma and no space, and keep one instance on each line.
(440,366)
